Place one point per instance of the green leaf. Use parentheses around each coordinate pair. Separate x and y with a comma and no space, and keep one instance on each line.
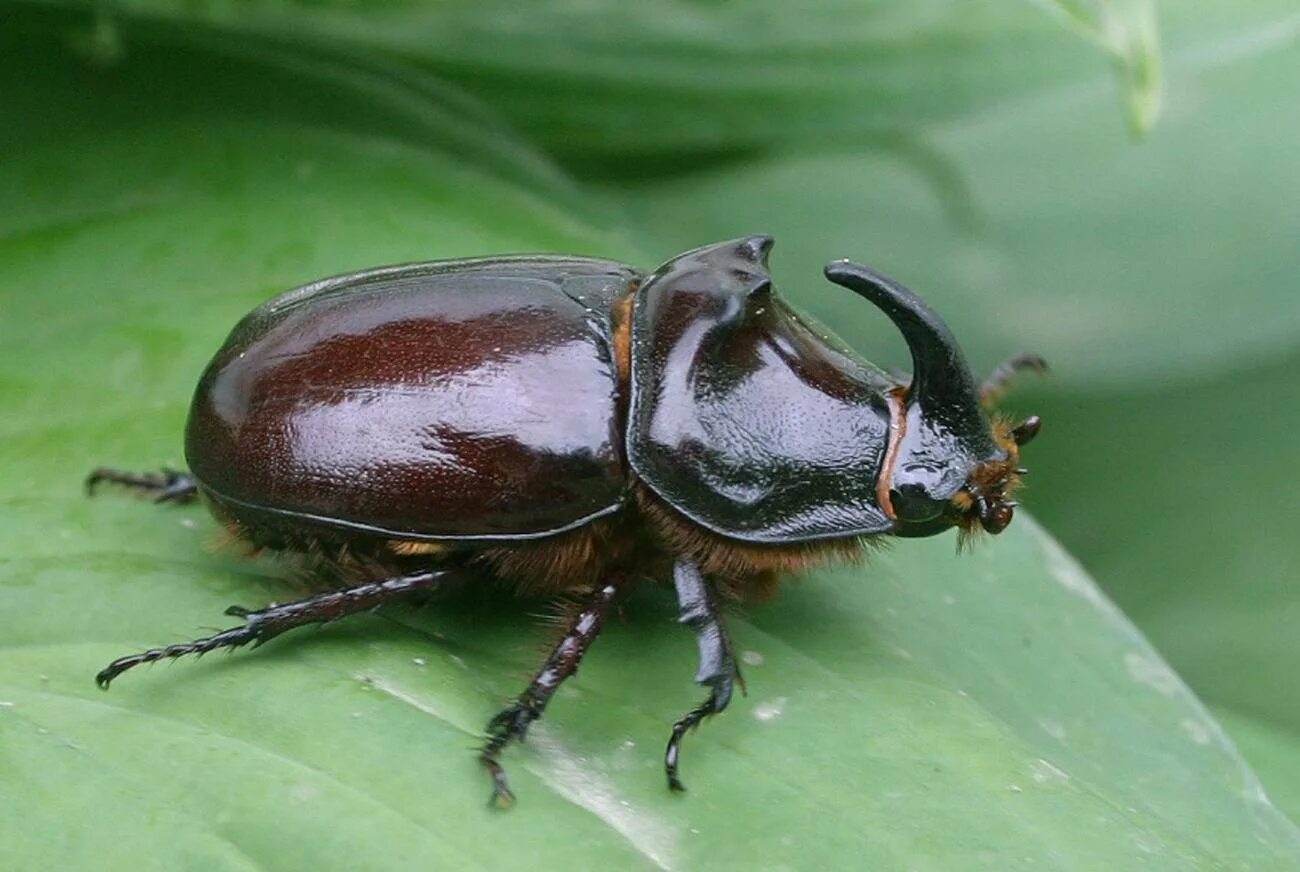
(1212,574)
(1127,31)
(989,710)
(1181,504)
(1274,752)
(931,710)
(1044,227)
(618,80)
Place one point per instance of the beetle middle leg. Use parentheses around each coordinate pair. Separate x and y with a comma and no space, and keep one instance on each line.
(718,670)
(264,624)
(167,486)
(512,722)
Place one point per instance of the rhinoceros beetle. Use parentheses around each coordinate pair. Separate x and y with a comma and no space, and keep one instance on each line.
(568,426)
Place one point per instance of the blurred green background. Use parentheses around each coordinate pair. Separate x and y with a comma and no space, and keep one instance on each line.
(1112,184)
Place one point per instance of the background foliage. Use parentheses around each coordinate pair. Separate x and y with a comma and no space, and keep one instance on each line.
(1076,178)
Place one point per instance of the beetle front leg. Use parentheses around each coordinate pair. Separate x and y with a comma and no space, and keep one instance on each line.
(718,668)
(264,624)
(168,486)
(512,722)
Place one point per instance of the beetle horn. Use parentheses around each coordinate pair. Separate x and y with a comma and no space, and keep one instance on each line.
(942,383)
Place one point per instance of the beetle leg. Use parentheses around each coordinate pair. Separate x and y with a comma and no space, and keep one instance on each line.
(168,486)
(1004,372)
(512,722)
(267,623)
(718,668)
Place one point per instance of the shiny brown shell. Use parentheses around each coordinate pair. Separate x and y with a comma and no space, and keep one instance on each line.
(472,399)
(485,400)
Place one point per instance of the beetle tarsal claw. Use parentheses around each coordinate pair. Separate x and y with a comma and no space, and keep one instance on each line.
(502,796)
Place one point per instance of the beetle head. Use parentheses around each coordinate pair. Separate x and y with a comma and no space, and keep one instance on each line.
(950,465)
(985,502)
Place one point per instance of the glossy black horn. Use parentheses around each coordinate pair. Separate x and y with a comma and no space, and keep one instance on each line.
(941,379)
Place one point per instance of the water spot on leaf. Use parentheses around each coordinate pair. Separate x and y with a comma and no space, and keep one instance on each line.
(1044,772)
(1055,729)
(303,792)
(1199,732)
(1146,669)
(412,700)
(771,709)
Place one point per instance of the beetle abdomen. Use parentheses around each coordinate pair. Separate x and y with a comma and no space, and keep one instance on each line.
(462,399)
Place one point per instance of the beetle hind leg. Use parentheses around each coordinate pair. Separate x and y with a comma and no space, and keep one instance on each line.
(265,624)
(718,670)
(167,486)
(512,722)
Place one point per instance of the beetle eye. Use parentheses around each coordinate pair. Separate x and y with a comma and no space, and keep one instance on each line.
(1026,430)
(995,520)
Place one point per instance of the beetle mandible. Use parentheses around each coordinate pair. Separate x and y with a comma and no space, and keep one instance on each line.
(566,426)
